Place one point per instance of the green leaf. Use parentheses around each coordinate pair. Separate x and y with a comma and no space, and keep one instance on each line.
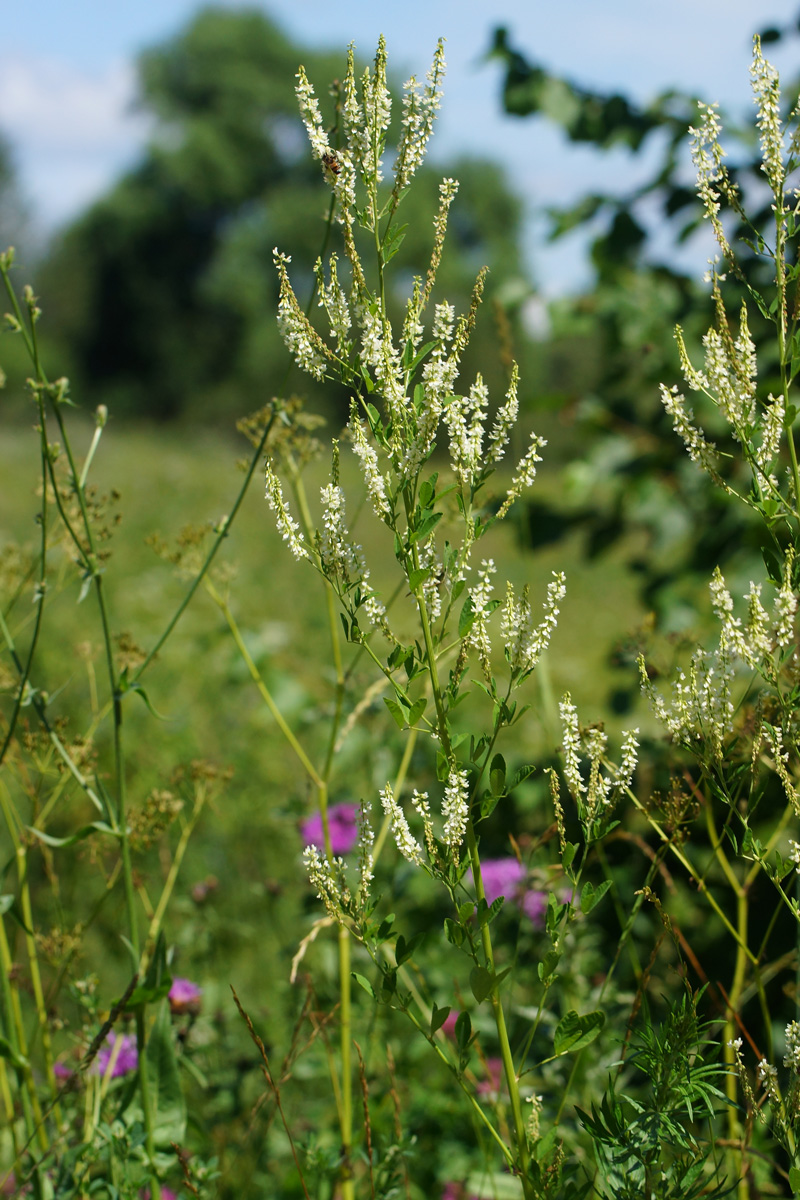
(416,710)
(427,526)
(385,928)
(591,896)
(397,712)
(488,912)
(453,932)
(438,1017)
(463,1030)
(570,850)
(124,686)
(418,577)
(404,950)
(427,491)
(482,983)
(393,241)
(794,1179)
(497,775)
(466,619)
(521,775)
(547,966)
(489,804)
(164,1084)
(465,911)
(365,984)
(573,1032)
(79,835)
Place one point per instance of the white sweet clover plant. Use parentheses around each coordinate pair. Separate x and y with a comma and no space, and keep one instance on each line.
(735,707)
(408,406)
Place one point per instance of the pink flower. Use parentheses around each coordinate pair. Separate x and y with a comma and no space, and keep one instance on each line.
(184,997)
(166,1194)
(449,1029)
(492,1083)
(342,826)
(506,877)
(127,1058)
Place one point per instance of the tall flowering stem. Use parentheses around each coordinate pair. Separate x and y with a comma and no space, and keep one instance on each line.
(404,411)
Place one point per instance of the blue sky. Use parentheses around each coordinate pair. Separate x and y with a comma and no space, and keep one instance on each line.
(67,83)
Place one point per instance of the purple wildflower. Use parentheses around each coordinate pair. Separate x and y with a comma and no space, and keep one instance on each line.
(342,826)
(506,877)
(184,997)
(127,1058)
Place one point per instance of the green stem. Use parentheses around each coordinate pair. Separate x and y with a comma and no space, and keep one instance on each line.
(523,1153)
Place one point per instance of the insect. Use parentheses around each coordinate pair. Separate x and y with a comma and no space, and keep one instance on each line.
(331,163)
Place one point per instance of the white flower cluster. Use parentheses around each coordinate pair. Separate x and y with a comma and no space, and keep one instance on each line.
(455,808)
(334,301)
(289,529)
(780,758)
(525,473)
(766,96)
(702,707)
(480,597)
(376,483)
(301,339)
(311,115)
(366,841)
(464,418)
(504,422)
(792,1056)
(407,844)
(605,782)
(420,105)
(700,451)
(524,646)
(324,877)
(340,557)
(768,1078)
(707,156)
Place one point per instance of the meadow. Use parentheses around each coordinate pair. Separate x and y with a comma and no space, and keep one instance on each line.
(338,867)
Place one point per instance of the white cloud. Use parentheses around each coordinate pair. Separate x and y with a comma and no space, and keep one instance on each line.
(72,130)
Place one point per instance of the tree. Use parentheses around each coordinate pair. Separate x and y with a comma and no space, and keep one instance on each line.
(164,292)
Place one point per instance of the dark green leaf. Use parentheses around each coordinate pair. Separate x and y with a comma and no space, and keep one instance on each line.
(497,775)
(591,896)
(438,1018)
(573,1032)
(166,1097)
(482,983)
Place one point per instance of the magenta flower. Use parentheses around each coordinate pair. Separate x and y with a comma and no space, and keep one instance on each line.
(184,997)
(494,1077)
(166,1194)
(449,1028)
(127,1058)
(506,877)
(342,826)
